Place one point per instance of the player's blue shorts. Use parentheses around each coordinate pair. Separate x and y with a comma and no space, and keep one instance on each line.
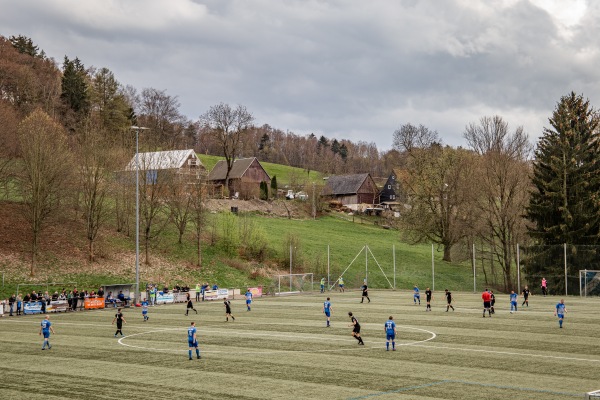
(341,285)
(192,343)
(46,334)
(144,312)
(513,303)
(390,336)
(328,313)
(417,296)
(248,301)
(561,316)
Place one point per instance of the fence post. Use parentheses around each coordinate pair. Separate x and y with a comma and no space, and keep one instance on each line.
(518,269)
(474,274)
(432,270)
(565,254)
(393,257)
(328,279)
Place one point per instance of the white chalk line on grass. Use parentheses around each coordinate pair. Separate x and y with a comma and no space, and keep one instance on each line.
(121,341)
(506,353)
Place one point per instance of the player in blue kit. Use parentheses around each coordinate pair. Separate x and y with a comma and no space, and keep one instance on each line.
(193,341)
(145,310)
(390,333)
(327,310)
(416,295)
(248,296)
(513,301)
(45,329)
(560,312)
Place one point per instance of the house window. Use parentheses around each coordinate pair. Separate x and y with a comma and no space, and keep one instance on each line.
(151,177)
(389,186)
(393,196)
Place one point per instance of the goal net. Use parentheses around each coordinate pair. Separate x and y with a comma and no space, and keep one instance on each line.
(589,283)
(293,283)
(593,395)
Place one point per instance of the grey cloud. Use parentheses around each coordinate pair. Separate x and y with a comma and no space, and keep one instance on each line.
(346,69)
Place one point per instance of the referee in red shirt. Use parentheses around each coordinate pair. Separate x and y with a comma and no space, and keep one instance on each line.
(486,296)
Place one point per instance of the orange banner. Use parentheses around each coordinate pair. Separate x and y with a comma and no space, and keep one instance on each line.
(93,302)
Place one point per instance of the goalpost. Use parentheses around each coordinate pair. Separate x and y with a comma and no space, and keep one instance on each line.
(367,251)
(593,395)
(589,282)
(293,283)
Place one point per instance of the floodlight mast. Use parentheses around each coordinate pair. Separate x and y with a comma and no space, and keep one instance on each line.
(137,130)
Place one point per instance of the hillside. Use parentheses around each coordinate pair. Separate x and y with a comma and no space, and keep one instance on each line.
(63,251)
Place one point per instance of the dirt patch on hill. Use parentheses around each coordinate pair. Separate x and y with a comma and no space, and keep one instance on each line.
(278,208)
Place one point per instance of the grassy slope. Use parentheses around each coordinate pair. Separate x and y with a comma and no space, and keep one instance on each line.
(281,349)
(284,173)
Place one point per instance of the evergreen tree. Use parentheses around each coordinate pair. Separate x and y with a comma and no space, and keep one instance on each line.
(274,186)
(264,191)
(75,92)
(565,202)
(25,46)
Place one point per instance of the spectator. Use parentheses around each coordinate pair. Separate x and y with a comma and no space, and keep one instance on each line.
(75,299)
(110,299)
(54,296)
(47,298)
(62,296)
(166,289)
(70,300)
(122,298)
(215,287)
(81,299)
(27,298)
(100,292)
(153,291)
(34,296)
(11,304)
(19,304)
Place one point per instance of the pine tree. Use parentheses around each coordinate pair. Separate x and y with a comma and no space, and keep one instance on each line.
(274,186)
(565,202)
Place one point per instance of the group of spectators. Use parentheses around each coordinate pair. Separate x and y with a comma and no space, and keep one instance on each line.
(74,298)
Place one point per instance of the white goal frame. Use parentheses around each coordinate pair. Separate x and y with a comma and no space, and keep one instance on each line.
(583,280)
(592,395)
(309,277)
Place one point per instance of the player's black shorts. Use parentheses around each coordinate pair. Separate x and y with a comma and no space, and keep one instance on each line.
(119,325)
(486,304)
(365,294)
(356,329)
(228,311)
(493,302)
(429,299)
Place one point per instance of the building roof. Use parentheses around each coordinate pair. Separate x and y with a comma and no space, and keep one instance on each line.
(240,166)
(346,184)
(157,160)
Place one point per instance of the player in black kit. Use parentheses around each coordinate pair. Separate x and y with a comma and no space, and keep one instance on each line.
(526,294)
(356,329)
(228,310)
(365,293)
(449,300)
(428,297)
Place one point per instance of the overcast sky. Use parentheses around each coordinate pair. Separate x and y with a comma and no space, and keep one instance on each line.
(353,69)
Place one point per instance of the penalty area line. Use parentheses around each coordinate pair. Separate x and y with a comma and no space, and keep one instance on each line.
(510,353)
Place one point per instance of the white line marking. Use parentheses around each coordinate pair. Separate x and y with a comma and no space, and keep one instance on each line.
(506,353)
(121,342)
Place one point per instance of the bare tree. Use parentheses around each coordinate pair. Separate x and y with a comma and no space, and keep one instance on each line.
(227,125)
(95,175)
(154,186)
(198,212)
(180,202)
(8,145)
(45,169)
(440,188)
(504,184)
(160,112)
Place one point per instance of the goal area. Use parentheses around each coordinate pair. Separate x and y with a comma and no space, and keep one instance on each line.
(293,283)
(589,282)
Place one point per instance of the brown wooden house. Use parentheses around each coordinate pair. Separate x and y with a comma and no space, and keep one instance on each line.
(244,179)
(351,190)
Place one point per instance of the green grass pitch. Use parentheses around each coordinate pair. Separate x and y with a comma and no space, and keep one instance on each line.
(282,349)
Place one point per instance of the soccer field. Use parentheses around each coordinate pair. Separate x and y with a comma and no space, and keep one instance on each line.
(282,349)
